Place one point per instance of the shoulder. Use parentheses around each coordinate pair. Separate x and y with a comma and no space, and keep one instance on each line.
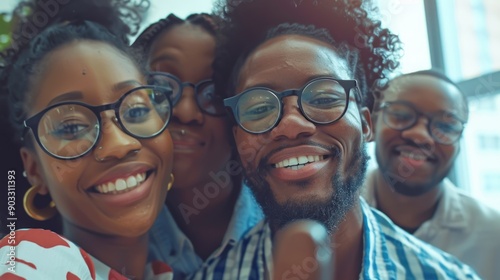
(43,254)
(477,207)
(247,259)
(406,256)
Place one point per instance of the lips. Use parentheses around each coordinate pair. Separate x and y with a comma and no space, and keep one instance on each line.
(415,153)
(299,162)
(122,184)
(186,139)
(121,178)
(295,163)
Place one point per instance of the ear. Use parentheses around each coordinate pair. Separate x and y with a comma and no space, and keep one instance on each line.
(33,169)
(367,125)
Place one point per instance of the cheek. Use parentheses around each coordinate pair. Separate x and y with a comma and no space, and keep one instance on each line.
(220,133)
(246,150)
(450,153)
(162,145)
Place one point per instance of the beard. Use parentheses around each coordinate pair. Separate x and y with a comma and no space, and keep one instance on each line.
(329,211)
(398,180)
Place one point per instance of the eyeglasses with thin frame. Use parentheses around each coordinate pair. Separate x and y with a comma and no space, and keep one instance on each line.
(206,98)
(444,127)
(322,100)
(69,130)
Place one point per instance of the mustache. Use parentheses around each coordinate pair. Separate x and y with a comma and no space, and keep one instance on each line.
(263,167)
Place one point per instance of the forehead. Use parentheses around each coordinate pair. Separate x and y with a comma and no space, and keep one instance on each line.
(88,66)
(184,38)
(428,93)
(289,61)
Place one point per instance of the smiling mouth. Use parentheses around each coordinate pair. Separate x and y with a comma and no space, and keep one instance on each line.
(122,185)
(296,163)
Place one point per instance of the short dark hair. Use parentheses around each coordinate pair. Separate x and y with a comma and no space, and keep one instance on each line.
(372,51)
(440,75)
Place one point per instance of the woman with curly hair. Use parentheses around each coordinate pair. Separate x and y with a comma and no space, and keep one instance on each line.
(207,209)
(94,141)
(299,79)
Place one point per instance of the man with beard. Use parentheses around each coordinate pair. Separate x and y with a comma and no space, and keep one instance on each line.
(418,125)
(299,77)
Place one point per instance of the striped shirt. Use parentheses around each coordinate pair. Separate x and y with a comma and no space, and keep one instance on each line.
(389,253)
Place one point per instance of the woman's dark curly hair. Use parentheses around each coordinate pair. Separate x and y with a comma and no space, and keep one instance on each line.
(371,51)
(144,41)
(41,28)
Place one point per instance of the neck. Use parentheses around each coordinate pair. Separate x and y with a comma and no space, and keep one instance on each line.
(203,215)
(408,212)
(126,255)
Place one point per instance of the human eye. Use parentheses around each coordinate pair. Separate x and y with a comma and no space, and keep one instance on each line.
(258,111)
(326,99)
(136,114)
(71,130)
(447,127)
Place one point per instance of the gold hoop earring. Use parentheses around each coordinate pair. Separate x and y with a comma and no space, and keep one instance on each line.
(36,213)
(169,186)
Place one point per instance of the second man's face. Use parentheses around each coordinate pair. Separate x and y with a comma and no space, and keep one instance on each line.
(412,158)
(299,164)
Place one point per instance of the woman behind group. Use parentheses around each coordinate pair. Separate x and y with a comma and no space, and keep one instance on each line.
(94,139)
(208,209)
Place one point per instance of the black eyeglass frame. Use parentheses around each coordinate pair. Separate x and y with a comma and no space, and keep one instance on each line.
(231,103)
(33,122)
(430,117)
(176,100)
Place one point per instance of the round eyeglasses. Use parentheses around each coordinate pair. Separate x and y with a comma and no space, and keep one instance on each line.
(206,98)
(444,127)
(70,130)
(322,100)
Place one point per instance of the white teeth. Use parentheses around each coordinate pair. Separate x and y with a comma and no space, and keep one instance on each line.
(414,156)
(111,187)
(297,162)
(303,159)
(121,184)
(131,182)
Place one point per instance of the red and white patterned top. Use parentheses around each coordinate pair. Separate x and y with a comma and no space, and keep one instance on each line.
(43,254)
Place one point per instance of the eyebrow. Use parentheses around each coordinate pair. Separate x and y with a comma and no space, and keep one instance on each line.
(78,95)
(162,57)
(72,95)
(126,84)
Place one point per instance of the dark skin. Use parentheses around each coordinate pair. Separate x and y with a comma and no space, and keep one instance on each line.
(284,62)
(201,141)
(420,162)
(407,212)
(112,227)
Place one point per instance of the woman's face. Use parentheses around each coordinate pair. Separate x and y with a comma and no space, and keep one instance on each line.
(201,141)
(96,73)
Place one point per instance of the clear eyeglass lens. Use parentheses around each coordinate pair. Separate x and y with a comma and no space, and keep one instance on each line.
(171,85)
(208,100)
(68,130)
(145,112)
(399,116)
(446,128)
(324,101)
(258,110)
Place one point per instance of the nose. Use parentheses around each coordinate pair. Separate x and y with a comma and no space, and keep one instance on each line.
(187,110)
(419,133)
(293,124)
(114,142)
